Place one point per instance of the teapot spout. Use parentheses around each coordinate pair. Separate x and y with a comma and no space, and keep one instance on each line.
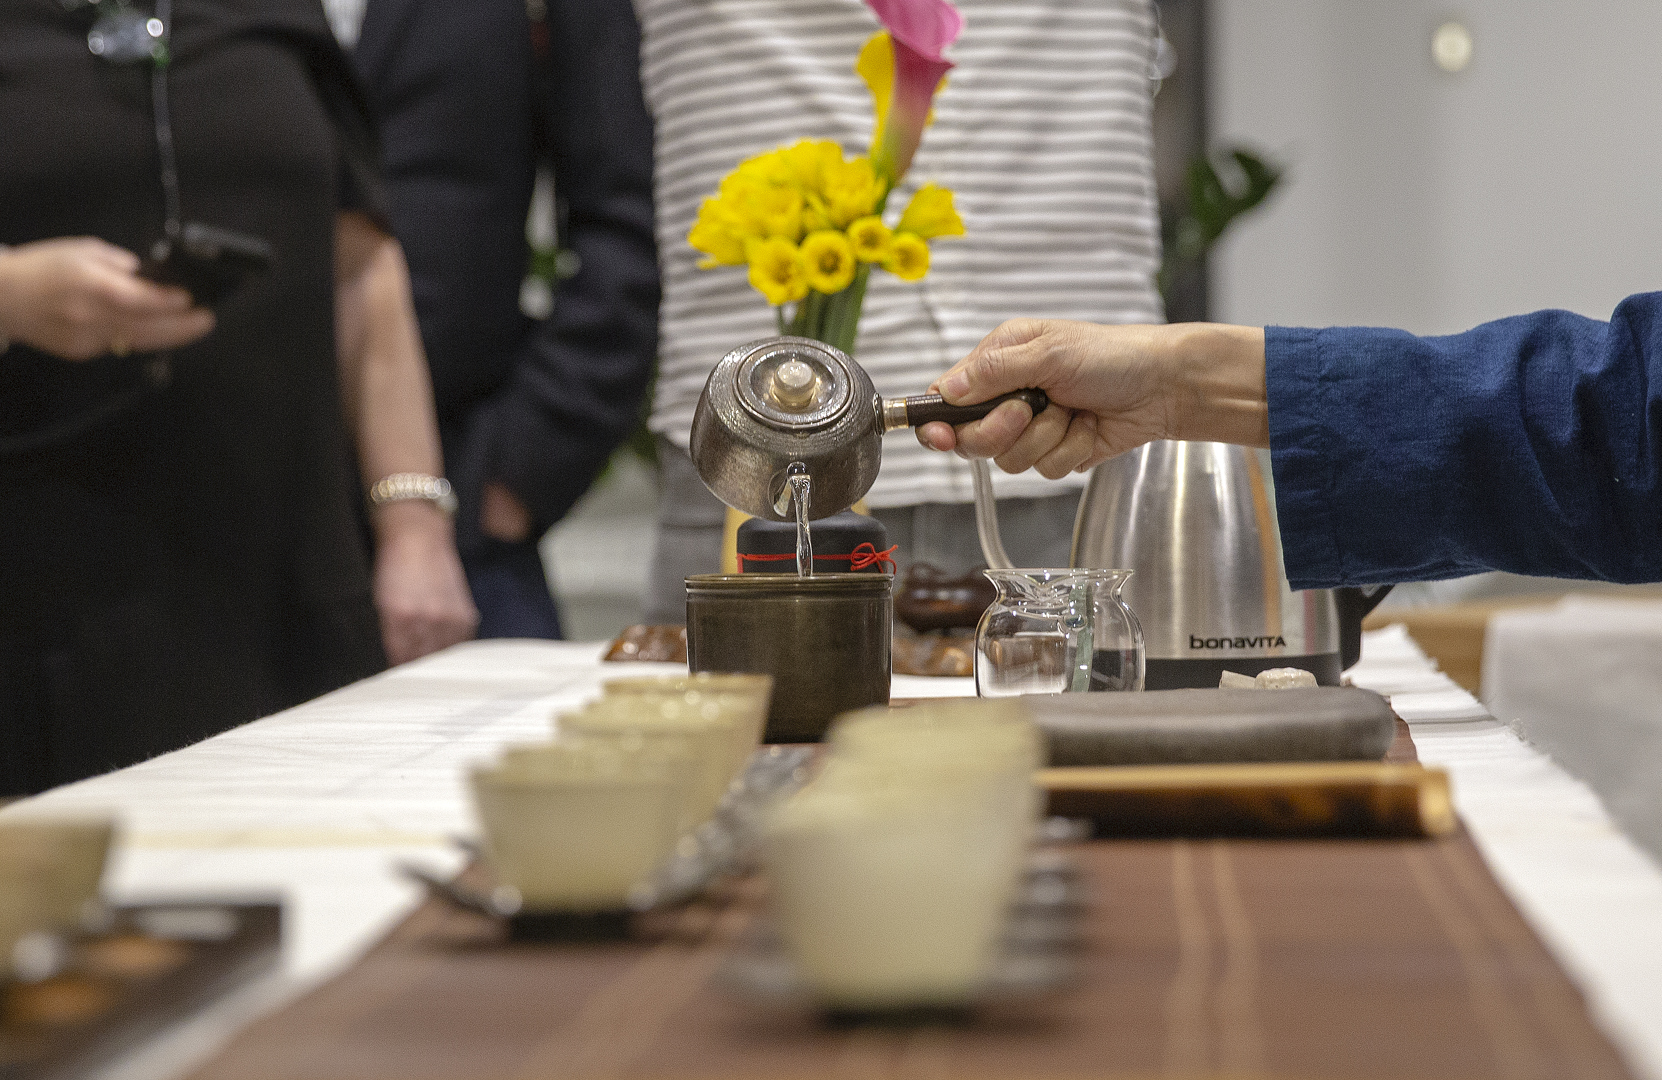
(986,517)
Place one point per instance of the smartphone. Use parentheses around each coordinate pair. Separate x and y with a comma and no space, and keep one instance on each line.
(208,262)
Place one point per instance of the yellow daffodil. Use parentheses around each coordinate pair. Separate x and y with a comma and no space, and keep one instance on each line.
(745,181)
(869,238)
(804,219)
(767,170)
(780,210)
(737,206)
(829,261)
(777,270)
(804,165)
(851,190)
(815,214)
(908,257)
(931,214)
(712,236)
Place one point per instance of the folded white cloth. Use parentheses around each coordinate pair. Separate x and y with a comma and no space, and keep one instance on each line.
(1393,664)
(1583,681)
(1438,706)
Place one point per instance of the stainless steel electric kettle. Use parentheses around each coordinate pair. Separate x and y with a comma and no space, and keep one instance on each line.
(1196,521)
(788,406)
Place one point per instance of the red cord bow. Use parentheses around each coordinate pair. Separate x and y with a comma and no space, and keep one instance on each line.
(864,555)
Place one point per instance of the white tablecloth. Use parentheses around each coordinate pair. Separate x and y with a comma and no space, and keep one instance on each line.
(1583,681)
(318,803)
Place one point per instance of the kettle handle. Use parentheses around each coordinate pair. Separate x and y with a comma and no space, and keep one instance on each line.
(928,408)
(1354,604)
(986,517)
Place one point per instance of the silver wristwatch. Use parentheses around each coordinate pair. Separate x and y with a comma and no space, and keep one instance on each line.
(405,486)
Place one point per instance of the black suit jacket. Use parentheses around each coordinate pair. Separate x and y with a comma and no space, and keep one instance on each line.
(468,107)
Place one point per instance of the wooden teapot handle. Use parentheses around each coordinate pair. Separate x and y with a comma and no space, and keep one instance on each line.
(927,408)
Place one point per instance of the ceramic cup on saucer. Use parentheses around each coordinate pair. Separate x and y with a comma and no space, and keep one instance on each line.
(744,697)
(892,895)
(705,730)
(983,740)
(947,735)
(574,827)
(50,869)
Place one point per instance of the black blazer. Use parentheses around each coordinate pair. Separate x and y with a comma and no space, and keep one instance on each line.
(470,97)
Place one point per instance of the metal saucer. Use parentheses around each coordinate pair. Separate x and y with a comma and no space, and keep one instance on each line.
(1039,955)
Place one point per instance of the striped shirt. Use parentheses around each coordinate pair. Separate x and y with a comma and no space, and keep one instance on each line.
(1042,131)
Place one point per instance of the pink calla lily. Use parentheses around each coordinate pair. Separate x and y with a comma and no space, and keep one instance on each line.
(927,26)
(918,32)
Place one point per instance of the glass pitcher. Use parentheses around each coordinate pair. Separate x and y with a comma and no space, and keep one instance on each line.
(1055,632)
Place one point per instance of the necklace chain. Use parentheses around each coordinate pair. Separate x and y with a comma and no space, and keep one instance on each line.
(123,35)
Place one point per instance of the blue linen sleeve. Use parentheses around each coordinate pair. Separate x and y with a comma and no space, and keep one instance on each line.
(1531,444)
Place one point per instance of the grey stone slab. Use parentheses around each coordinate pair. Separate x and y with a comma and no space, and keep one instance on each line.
(1319,723)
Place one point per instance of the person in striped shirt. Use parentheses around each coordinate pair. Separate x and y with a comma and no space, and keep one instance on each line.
(1042,131)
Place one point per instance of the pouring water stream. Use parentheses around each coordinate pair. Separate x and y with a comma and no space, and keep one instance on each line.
(801,493)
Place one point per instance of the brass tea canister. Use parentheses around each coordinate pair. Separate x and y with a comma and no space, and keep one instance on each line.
(825,640)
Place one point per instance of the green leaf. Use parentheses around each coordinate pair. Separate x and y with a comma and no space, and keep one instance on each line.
(1220,190)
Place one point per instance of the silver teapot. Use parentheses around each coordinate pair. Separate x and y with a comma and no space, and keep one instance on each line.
(787,406)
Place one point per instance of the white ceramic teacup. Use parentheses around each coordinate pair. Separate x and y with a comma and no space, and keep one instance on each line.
(949,741)
(889,895)
(703,730)
(550,760)
(743,697)
(949,735)
(50,869)
(576,827)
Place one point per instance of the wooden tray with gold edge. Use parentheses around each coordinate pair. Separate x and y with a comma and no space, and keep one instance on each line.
(155,965)
(1339,798)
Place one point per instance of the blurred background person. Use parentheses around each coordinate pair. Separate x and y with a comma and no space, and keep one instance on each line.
(1042,131)
(470,99)
(188,544)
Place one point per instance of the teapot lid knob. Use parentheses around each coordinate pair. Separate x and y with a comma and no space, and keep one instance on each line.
(793,384)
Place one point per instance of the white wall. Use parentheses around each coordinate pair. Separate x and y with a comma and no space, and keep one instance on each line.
(1434,201)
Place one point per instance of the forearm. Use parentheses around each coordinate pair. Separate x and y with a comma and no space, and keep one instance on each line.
(384,381)
(1531,444)
(578,385)
(1111,389)
(420,591)
(1217,391)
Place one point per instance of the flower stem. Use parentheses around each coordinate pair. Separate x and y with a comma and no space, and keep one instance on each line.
(813,326)
(846,323)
